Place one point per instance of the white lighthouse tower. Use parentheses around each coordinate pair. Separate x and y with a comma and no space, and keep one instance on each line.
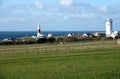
(38,31)
(39,34)
(109,27)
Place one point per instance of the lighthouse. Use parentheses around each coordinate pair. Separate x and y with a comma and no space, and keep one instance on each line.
(109,27)
(38,31)
(39,34)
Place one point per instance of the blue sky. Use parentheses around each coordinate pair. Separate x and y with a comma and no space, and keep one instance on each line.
(58,15)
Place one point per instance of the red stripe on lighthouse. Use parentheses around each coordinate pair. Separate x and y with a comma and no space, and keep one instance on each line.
(38,29)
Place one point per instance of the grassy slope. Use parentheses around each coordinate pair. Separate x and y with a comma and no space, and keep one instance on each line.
(100,61)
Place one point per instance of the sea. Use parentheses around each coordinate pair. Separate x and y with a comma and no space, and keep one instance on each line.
(20,34)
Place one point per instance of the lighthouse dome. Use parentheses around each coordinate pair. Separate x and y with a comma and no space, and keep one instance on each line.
(109,19)
(50,35)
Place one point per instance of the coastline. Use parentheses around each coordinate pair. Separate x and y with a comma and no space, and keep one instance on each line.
(19,34)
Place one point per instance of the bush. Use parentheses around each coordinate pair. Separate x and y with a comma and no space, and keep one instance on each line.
(70,39)
(59,39)
(51,40)
(87,39)
(6,43)
(109,38)
(41,40)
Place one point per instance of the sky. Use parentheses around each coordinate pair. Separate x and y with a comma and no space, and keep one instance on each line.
(58,15)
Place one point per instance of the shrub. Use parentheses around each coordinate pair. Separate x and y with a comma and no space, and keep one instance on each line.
(70,39)
(51,40)
(41,40)
(59,39)
(109,38)
(6,43)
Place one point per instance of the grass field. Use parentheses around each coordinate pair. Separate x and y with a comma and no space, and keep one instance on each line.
(80,60)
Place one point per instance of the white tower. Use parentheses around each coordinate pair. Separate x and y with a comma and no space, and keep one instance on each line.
(108,27)
(38,31)
(39,35)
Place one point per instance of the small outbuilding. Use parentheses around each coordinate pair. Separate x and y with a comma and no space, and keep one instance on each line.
(50,35)
(86,35)
(69,35)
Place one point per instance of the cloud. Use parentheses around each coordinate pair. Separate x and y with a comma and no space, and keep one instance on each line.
(20,19)
(39,5)
(20,12)
(63,12)
(66,2)
(75,7)
(27,6)
(21,7)
(103,8)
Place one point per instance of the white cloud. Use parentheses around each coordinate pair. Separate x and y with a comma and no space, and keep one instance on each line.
(65,2)
(20,19)
(66,17)
(63,12)
(39,5)
(103,9)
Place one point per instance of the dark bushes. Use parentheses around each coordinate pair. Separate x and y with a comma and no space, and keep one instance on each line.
(66,39)
(6,43)
(51,40)
(41,40)
(59,39)
(70,39)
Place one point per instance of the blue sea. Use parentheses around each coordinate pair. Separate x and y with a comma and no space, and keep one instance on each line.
(19,34)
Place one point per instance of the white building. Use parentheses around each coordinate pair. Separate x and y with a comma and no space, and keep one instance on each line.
(87,35)
(109,27)
(50,35)
(69,35)
(99,34)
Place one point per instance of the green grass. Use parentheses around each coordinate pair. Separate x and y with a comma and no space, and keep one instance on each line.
(90,60)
